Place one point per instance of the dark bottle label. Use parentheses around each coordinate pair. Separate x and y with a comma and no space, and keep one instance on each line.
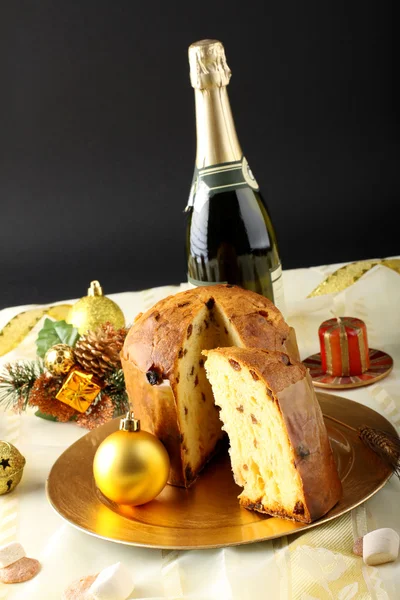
(220,178)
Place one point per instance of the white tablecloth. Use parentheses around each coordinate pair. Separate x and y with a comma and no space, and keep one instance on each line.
(306,567)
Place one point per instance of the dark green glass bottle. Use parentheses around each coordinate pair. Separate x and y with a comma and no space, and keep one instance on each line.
(230,237)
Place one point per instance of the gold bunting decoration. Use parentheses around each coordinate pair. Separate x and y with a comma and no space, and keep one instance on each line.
(345,276)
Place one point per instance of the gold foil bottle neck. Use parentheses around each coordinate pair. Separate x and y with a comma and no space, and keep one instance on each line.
(208,66)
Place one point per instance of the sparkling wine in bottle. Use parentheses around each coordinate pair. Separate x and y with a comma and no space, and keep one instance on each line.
(230,237)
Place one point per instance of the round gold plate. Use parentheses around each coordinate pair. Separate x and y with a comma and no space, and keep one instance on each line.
(208,514)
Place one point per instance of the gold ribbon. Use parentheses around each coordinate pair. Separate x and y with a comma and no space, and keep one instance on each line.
(18,328)
(345,276)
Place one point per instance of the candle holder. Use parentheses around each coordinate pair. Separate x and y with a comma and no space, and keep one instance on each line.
(345,359)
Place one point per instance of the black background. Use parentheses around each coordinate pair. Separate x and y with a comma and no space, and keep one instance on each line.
(97,135)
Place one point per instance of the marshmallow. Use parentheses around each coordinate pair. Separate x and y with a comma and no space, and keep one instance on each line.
(380,546)
(10,553)
(113,583)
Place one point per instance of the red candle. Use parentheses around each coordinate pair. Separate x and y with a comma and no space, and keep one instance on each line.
(344,346)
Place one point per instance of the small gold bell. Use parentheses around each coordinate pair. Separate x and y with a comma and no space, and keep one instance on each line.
(11,467)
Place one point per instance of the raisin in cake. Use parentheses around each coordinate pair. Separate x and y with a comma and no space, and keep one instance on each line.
(164,369)
(279,448)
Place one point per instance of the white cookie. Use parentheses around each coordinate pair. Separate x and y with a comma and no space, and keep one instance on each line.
(78,590)
(22,570)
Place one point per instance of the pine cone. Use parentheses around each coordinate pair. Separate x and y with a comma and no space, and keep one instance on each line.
(98,351)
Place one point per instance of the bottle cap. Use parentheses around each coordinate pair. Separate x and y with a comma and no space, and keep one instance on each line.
(208,66)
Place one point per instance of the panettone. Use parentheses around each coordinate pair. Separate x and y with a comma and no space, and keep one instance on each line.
(279,448)
(164,368)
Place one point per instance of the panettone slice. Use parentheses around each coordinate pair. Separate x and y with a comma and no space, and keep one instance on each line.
(279,448)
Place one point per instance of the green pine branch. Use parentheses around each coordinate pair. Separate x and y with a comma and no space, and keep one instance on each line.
(16,382)
(116,390)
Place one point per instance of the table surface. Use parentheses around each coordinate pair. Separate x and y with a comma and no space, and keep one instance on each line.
(316,565)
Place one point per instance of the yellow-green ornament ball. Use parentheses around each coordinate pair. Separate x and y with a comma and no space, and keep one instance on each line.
(59,359)
(131,467)
(94,310)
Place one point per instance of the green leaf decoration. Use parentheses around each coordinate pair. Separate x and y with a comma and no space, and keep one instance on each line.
(55,332)
(42,415)
(48,417)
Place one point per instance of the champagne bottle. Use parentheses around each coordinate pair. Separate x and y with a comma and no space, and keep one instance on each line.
(230,237)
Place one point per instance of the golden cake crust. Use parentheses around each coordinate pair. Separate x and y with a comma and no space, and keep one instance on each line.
(155,407)
(156,338)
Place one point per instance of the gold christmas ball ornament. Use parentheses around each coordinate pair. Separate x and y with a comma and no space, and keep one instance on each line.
(131,466)
(93,310)
(59,359)
(11,467)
